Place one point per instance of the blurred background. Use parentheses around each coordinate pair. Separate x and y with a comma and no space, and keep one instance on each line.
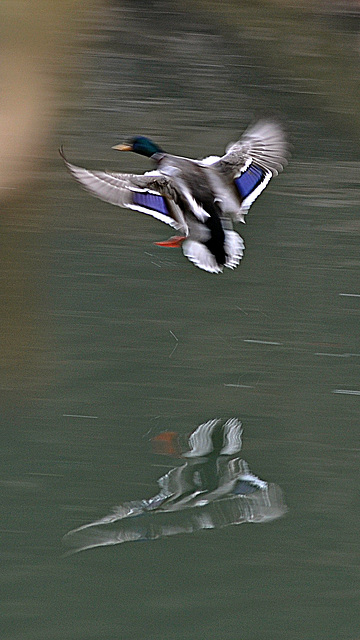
(108,341)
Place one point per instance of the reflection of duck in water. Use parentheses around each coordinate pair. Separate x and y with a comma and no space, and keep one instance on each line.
(212,489)
(199,198)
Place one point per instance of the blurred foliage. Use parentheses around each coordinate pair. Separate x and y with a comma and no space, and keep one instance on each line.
(34,35)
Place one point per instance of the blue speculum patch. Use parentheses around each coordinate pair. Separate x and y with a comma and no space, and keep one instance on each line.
(151,201)
(249,180)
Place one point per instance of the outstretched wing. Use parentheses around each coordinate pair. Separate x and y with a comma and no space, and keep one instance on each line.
(250,163)
(151,193)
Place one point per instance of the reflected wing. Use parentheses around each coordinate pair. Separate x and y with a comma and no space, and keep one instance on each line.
(151,193)
(250,163)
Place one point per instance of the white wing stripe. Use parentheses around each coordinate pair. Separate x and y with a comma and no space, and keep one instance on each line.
(247,202)
(155,214)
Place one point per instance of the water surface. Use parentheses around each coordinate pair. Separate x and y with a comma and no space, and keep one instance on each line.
(110,340)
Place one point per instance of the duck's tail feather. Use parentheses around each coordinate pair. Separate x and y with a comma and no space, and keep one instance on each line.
(234,249)
(201,256)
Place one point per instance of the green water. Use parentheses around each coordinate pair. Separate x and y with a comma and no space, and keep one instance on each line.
(110,340)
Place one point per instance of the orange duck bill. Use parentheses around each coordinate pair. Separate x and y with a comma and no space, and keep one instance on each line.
(174,241)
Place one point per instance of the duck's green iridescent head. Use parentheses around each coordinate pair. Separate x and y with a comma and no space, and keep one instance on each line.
(141,145)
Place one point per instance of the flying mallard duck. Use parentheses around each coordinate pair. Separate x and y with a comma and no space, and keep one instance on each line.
(199,198)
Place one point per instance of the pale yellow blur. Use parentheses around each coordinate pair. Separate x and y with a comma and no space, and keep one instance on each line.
(33,35)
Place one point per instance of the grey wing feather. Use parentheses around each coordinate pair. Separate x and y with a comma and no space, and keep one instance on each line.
(264,144)
(132,191)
